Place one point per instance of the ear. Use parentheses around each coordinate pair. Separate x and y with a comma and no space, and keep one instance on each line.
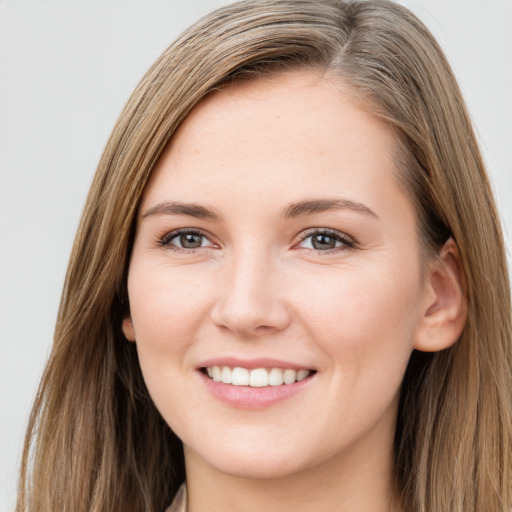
(444,305)
(127,328)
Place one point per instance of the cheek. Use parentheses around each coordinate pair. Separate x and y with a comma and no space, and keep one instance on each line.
(364,320)
(166,305)
(363,314)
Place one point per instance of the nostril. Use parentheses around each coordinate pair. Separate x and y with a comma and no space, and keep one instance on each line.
(251,317)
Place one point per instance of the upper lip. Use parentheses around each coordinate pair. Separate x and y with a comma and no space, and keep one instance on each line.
(259,362)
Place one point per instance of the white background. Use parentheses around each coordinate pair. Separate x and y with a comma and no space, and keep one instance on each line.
(66,69)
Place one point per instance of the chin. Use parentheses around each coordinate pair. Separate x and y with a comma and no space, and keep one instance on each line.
(252,461)
(268,469)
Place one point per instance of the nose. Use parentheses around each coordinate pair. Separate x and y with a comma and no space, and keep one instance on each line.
(250,299)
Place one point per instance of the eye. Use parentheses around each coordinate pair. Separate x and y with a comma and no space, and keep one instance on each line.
(325,240)
(185,240)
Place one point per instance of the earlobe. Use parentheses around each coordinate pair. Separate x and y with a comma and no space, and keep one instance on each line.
(445,305)
(127,328)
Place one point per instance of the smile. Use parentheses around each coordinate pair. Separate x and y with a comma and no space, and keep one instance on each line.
(256,377)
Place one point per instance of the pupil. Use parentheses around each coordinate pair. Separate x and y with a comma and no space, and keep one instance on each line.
(190,241)
(323,242)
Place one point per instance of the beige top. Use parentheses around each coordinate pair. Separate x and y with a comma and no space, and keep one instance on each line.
(179,503)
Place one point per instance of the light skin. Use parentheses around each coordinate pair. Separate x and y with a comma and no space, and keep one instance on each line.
(300,246)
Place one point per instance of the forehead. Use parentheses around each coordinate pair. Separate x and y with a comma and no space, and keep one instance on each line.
(296,133)
(299,103)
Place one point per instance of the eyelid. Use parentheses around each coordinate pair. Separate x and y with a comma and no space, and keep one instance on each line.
(347,241)
(165,240)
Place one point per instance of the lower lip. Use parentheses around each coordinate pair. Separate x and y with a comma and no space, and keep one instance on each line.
(247,397)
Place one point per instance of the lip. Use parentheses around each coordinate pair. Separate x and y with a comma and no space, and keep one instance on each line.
(253,398)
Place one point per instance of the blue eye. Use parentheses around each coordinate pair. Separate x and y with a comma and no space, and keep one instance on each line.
(326,240)
(187,239)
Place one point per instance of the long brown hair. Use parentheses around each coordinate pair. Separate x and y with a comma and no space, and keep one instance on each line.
(95,440)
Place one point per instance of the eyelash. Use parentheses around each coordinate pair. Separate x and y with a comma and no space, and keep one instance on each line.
(166,240)
(346,241)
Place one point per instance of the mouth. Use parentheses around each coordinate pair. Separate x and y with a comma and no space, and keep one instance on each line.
(256,377)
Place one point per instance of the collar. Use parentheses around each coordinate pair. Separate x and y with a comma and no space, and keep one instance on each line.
(179,503)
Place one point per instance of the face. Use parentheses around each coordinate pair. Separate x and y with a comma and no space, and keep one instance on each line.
(275,282)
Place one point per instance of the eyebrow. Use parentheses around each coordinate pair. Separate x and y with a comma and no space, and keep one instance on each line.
(178,208)
(322,205)
(293,210)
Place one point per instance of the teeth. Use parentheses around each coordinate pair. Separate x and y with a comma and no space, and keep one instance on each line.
(239,377)
(226,375)
(302,374)
(289,376)
(257,378)
(275,377)
(217,374)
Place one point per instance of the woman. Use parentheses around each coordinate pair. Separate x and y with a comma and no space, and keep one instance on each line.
(290,256)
